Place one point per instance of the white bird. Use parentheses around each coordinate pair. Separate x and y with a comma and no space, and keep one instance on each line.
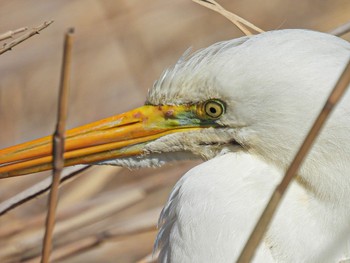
(246,104)
(212,210)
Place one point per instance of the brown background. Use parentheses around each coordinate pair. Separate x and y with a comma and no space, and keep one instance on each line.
(120,49)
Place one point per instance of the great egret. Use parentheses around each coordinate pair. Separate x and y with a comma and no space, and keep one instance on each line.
(248,104)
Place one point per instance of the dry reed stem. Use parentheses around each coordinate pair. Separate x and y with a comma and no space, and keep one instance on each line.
(70,250)
(86,218)
(36,190)
(42,187)
(143,223)
(12,33)
(84,244)
(333,32)
(101,211)
(28,244)
(148,184)
(37,221)
(261,226)
(91,184)
(58,145)
(20,39)
(238,21)
(341,30)
(25,246)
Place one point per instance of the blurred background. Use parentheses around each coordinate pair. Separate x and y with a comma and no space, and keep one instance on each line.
(109,214)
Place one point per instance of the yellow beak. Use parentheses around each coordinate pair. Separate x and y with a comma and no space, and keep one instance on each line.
(106,139)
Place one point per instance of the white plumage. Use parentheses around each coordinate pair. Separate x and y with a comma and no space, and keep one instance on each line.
(274,85)
(247,104)
(212,209)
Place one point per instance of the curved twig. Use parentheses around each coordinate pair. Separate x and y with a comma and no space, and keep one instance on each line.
(15,42)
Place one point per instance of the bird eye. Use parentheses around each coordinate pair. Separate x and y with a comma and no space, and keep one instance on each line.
(213,108)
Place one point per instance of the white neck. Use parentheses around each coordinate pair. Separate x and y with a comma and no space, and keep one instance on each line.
(214,207)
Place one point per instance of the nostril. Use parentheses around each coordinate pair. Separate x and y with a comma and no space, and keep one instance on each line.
(169,114)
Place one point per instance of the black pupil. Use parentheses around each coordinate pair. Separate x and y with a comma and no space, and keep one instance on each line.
(212,110)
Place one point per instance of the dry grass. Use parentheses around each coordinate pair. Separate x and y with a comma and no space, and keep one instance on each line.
(107,214)
(21,38)
(58,140)
(238,21)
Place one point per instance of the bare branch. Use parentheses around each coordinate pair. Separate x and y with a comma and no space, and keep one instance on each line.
(90,185)
(341,30)
(238,21)
(24,37)
(35,191)
(263,223)
(12,33)
(58,145)
(67,244)
(72,249)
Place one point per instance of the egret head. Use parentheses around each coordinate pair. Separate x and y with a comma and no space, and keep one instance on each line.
(272,87)
(257,94)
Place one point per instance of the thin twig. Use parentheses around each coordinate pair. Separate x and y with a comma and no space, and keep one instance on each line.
(90,185)
(12,33)
(26,238)
(238,21)
(78,225)
(24,37)
(261,226)
(71,249)
(58,145)
(141,223)
(149,184)
(35,191)
(341,30)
